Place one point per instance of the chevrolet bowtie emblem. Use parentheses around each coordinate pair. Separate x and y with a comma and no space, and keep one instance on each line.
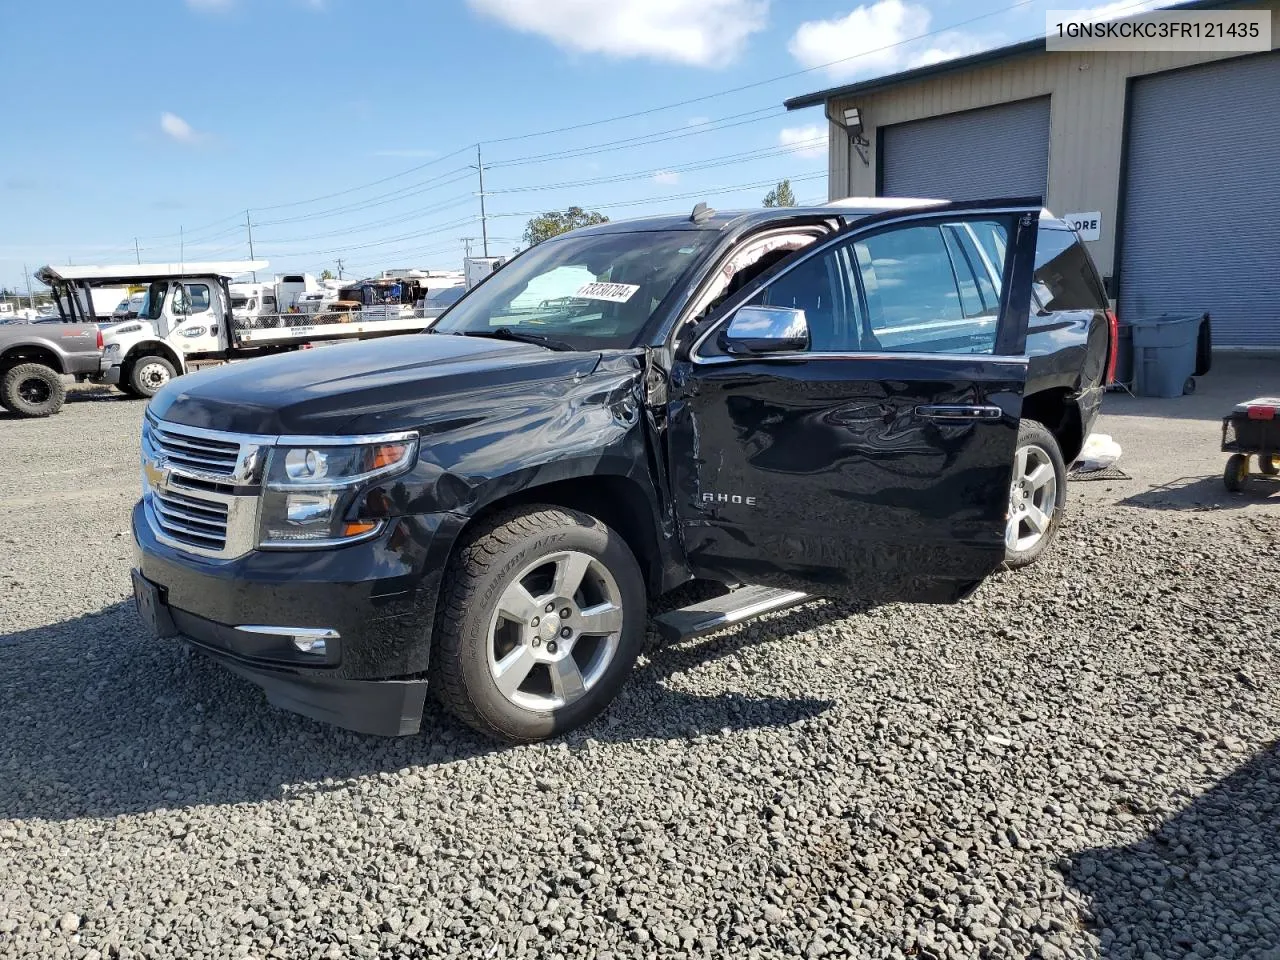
(157,474)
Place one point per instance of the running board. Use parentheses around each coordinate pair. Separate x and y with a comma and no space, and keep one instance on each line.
(736,606)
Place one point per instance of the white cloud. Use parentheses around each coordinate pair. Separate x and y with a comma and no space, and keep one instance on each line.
(211,6)
(178,129)
(809,141)
(667,177)
(881,37)
(703,33)
(697,121)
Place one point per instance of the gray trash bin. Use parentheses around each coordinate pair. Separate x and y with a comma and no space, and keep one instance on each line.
(1165,354)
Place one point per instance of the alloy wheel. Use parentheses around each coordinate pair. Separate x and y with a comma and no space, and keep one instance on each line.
(1033,499)
(555,631)
(34,391)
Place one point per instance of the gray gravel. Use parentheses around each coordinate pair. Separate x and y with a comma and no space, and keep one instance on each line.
(1077,762)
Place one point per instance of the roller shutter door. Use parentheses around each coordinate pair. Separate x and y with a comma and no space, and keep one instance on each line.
(975,155)
(1201,224)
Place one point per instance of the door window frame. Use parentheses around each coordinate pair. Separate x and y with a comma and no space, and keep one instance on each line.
(1009,347)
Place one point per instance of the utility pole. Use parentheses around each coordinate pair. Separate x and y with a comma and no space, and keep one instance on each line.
(339,268)
(467,243)
(182,248)
(249,227)
(484,219)
(31,298)
(137,254)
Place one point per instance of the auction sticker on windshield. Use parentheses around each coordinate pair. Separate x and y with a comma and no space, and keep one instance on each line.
(613,292)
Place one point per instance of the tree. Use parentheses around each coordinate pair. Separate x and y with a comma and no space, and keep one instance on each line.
(780,196)
(326,274)
(554,223)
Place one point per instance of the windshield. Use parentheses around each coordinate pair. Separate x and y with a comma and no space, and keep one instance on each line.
(591,291)
(239,302)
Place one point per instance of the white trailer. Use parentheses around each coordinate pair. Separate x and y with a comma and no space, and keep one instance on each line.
(188,319)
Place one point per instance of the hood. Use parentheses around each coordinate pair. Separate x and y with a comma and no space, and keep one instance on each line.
(374,386)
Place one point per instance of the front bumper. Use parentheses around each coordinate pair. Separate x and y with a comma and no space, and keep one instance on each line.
(378,598)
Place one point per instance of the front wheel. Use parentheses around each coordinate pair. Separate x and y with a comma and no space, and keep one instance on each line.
(1269,464)
(1037,495)
(149,374)
(1236,472)
(542,617)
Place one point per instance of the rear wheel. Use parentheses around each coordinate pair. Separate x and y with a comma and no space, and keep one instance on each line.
(149,374)
(542,616)
(1270,465)
(32,390)
(1037,495)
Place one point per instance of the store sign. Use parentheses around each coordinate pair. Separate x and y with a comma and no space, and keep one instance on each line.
(1088,225)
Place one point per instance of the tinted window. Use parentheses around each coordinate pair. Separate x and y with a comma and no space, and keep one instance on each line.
(1064,277)
(930,289)
(818,287)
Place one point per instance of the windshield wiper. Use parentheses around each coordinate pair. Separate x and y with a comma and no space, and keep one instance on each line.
(523,336)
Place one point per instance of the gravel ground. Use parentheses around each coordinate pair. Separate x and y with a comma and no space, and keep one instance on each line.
(1079,761)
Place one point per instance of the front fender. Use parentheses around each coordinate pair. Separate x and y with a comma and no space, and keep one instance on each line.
(530,436)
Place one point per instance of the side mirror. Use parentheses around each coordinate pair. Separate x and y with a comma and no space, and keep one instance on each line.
(766,330)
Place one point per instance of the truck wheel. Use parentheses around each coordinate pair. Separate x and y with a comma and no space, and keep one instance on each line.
(149,374)
(1037,495)
(33,390)
(1269,465)
(542,615)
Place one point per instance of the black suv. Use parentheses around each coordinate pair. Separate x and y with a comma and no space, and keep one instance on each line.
(869,398)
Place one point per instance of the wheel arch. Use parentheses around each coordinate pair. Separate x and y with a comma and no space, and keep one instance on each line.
(617,500)
(21,353)
(148,348)
(1058,410)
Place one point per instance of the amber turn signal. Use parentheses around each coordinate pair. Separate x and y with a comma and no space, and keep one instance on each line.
(354,528)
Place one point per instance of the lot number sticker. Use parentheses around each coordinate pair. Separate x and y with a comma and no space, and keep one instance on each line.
(613,292)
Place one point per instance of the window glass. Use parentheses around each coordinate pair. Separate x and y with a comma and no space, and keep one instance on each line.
(924,291)
(197,297)
(819,288)
(1064,277)
(591,289)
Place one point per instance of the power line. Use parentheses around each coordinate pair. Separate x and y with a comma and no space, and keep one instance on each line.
(722,161)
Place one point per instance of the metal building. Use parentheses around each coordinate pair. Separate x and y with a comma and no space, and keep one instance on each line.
(1177,153)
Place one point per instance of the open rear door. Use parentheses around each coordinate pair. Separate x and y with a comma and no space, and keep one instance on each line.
(872,456)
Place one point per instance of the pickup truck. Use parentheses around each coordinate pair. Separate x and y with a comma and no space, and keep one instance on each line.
(873,399)
(33,357)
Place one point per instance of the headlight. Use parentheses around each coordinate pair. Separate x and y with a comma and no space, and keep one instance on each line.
(311,493)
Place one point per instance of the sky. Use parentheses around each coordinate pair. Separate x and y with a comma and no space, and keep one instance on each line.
(347,129)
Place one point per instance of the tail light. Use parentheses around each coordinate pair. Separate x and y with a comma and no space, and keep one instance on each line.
(99,338)
(1113,350)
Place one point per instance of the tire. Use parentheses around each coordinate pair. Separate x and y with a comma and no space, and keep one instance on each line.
(33,390)
(1269,464)
(1236,472)
(148,374)
(549,689)
(1036,500)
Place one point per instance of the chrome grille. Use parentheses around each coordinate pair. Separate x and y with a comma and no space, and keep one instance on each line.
(198,452)
(191,519)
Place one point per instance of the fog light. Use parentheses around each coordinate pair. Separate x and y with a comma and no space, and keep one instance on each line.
(312,640)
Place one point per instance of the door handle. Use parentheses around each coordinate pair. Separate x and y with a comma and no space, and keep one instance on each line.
(958,411)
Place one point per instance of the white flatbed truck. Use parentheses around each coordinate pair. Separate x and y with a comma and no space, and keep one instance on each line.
(187,321)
